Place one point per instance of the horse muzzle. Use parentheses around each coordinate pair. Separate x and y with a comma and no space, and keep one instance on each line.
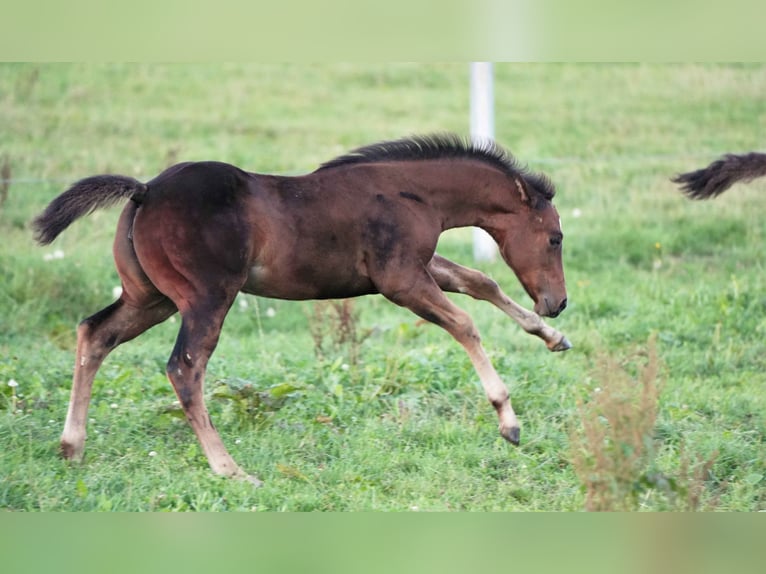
(547,308)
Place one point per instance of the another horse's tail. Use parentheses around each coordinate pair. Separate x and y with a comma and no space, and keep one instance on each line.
(721,175)
(81,199)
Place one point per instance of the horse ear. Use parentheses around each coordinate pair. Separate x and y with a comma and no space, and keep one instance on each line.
(522,192)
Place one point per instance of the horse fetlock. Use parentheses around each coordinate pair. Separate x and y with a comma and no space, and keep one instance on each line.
(509,424)
(230,469)
(73,450)
(251,479)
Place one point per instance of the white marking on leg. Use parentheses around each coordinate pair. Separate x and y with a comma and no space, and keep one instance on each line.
(494,388)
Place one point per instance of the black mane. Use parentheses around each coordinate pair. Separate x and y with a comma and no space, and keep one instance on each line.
(442,146)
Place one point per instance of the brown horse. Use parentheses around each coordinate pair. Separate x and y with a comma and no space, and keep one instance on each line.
(721,175)
(367,222)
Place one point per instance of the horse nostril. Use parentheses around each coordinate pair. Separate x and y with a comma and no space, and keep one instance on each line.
(548,309)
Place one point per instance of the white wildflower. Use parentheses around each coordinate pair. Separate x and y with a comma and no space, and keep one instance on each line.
(13,384)
(576,212)
(152,453)
(117,291)
(57,254)
(270,312)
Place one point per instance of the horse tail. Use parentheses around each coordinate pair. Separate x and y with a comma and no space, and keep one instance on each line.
(82,198)
(721,175)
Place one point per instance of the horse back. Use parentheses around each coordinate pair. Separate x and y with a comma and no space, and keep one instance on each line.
(322,235)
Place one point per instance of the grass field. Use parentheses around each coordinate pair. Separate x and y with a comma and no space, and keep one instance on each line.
(667,297)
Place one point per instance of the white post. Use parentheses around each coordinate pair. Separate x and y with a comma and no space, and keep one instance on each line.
(482,129)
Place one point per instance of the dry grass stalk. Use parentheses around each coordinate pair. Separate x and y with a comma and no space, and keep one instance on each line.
(613,451)
(5,179)
(614,445)
(334,326)
(694,480)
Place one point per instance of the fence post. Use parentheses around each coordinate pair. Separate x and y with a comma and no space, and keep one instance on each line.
(482,129)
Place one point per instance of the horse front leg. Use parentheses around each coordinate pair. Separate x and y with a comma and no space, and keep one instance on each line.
(455,278)
(424,298)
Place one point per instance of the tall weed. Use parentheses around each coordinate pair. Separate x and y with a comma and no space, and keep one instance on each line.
(613,450)
(334,328)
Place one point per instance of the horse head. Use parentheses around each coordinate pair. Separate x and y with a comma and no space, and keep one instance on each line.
(530,240)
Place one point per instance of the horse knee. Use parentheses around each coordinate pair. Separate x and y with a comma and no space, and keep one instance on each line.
(486,288)
(466,332)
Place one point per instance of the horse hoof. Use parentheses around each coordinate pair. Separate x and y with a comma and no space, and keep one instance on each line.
(71,452)
(562,345)
(511,435)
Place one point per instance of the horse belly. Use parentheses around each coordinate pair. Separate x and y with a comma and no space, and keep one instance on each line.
(314,280)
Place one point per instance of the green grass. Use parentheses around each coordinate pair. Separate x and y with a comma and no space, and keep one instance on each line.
(406,427)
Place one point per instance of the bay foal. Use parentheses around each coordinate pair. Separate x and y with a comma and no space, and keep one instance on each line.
(367,222)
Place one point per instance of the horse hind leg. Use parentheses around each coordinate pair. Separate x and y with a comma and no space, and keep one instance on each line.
(186,369)
(97,336)
(140,307)
(200,265)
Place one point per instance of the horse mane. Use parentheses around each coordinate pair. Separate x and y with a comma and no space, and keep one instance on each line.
(445,146)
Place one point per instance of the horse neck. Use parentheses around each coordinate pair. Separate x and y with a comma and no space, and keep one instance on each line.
(465,192)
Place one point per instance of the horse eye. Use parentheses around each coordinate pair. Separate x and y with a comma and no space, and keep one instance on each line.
(555,240)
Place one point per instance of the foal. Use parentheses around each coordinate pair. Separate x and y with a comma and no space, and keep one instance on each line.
(367,222)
